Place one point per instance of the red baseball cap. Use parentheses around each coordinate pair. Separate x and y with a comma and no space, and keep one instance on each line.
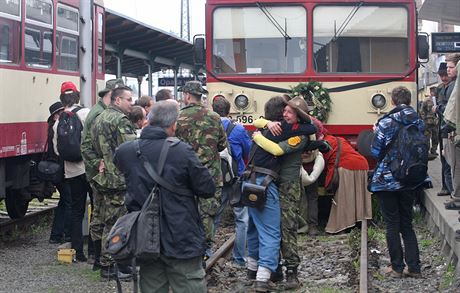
(68,87)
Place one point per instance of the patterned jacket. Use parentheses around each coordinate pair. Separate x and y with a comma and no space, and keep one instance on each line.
(111,128)
(90,157)
(202,129)
(385,132)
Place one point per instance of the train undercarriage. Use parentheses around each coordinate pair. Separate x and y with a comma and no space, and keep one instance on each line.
(19,184)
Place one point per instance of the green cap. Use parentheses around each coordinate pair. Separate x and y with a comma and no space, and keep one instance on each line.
(193,87)
(111,85)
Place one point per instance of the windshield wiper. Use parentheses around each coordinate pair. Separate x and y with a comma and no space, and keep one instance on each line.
(347,20)
(272,19)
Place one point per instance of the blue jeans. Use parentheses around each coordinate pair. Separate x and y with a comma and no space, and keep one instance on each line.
(62,222)
(241,226)
(264,231)
(396,207)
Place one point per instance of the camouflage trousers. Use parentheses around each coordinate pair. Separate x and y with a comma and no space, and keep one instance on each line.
(113,208)
(432,133)
(289,200)
(208,208)
(96,225)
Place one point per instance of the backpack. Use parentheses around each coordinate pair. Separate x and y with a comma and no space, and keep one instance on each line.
(228,164)
(408,155)
(69,136)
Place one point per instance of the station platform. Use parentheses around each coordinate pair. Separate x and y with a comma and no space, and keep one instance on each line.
(441,222)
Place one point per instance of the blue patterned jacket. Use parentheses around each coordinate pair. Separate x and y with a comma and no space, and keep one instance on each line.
(386,130)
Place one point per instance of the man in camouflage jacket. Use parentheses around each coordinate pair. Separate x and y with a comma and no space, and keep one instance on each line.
(92,160)
(111,128)
(201,128)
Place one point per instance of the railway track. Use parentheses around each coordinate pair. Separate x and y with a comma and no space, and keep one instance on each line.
(33,215)
(225,249)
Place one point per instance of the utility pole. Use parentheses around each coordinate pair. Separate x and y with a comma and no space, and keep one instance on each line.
(185,20)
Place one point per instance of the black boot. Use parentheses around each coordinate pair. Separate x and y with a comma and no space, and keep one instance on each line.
(277,276)
(292,282)
(97,255)
(109,272)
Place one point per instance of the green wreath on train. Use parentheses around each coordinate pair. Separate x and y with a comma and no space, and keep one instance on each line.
(316,97)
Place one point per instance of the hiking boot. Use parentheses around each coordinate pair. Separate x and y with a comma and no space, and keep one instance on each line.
(264,286)
(409,274)
(292,282)
(80,257)
(313,231)
(109,272)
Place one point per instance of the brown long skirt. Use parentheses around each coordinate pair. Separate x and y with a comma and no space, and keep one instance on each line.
(352,202)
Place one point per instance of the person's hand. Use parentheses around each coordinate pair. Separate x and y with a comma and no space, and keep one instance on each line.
(274,127)
(433,109)
(101,166)
(457,141)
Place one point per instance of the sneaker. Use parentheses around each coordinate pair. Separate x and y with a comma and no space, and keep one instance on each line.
(409,274)
(389,272)
(431,157)
(264,286)
(443,192)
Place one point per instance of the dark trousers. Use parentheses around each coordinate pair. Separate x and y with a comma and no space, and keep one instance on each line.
(396,208)
(79,188)
(62,222)
(446,175)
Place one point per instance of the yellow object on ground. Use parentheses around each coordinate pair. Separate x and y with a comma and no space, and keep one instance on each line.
(66,255)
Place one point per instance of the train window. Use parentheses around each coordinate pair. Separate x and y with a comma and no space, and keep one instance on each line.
(38,46)
(100,35)
(260,40)
(10,9)
(10,41)
(67,38)
(39,11)
(360,39)
(67,18)
(67,52)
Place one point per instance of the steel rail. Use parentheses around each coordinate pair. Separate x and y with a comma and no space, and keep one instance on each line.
(28,219)
(221,252)
(363,285)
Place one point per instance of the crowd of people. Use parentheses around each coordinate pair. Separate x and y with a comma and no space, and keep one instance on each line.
(280,168)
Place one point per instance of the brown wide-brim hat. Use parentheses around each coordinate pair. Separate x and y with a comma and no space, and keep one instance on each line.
(301,107)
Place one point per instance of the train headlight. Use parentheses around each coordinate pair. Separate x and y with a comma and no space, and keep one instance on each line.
(378,101)
(241,102)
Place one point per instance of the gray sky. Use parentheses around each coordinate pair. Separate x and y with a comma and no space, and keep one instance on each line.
(161,14)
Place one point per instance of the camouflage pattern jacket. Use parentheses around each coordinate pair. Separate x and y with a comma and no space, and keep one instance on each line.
(90,157)
(426,113)
(201,128)
(111,128)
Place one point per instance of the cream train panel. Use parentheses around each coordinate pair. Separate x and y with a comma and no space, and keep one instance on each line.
(351,107)
(26,95)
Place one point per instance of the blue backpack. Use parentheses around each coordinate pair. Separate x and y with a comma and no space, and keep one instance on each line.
(408,155)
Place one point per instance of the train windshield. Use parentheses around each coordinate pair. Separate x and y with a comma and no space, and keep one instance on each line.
(360,39)
(259,40)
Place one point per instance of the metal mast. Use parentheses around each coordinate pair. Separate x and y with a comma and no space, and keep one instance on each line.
(185,20)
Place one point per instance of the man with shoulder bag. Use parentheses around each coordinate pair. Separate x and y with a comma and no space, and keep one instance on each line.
(182,237)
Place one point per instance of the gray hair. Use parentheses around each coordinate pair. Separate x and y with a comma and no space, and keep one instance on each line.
(164,114)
